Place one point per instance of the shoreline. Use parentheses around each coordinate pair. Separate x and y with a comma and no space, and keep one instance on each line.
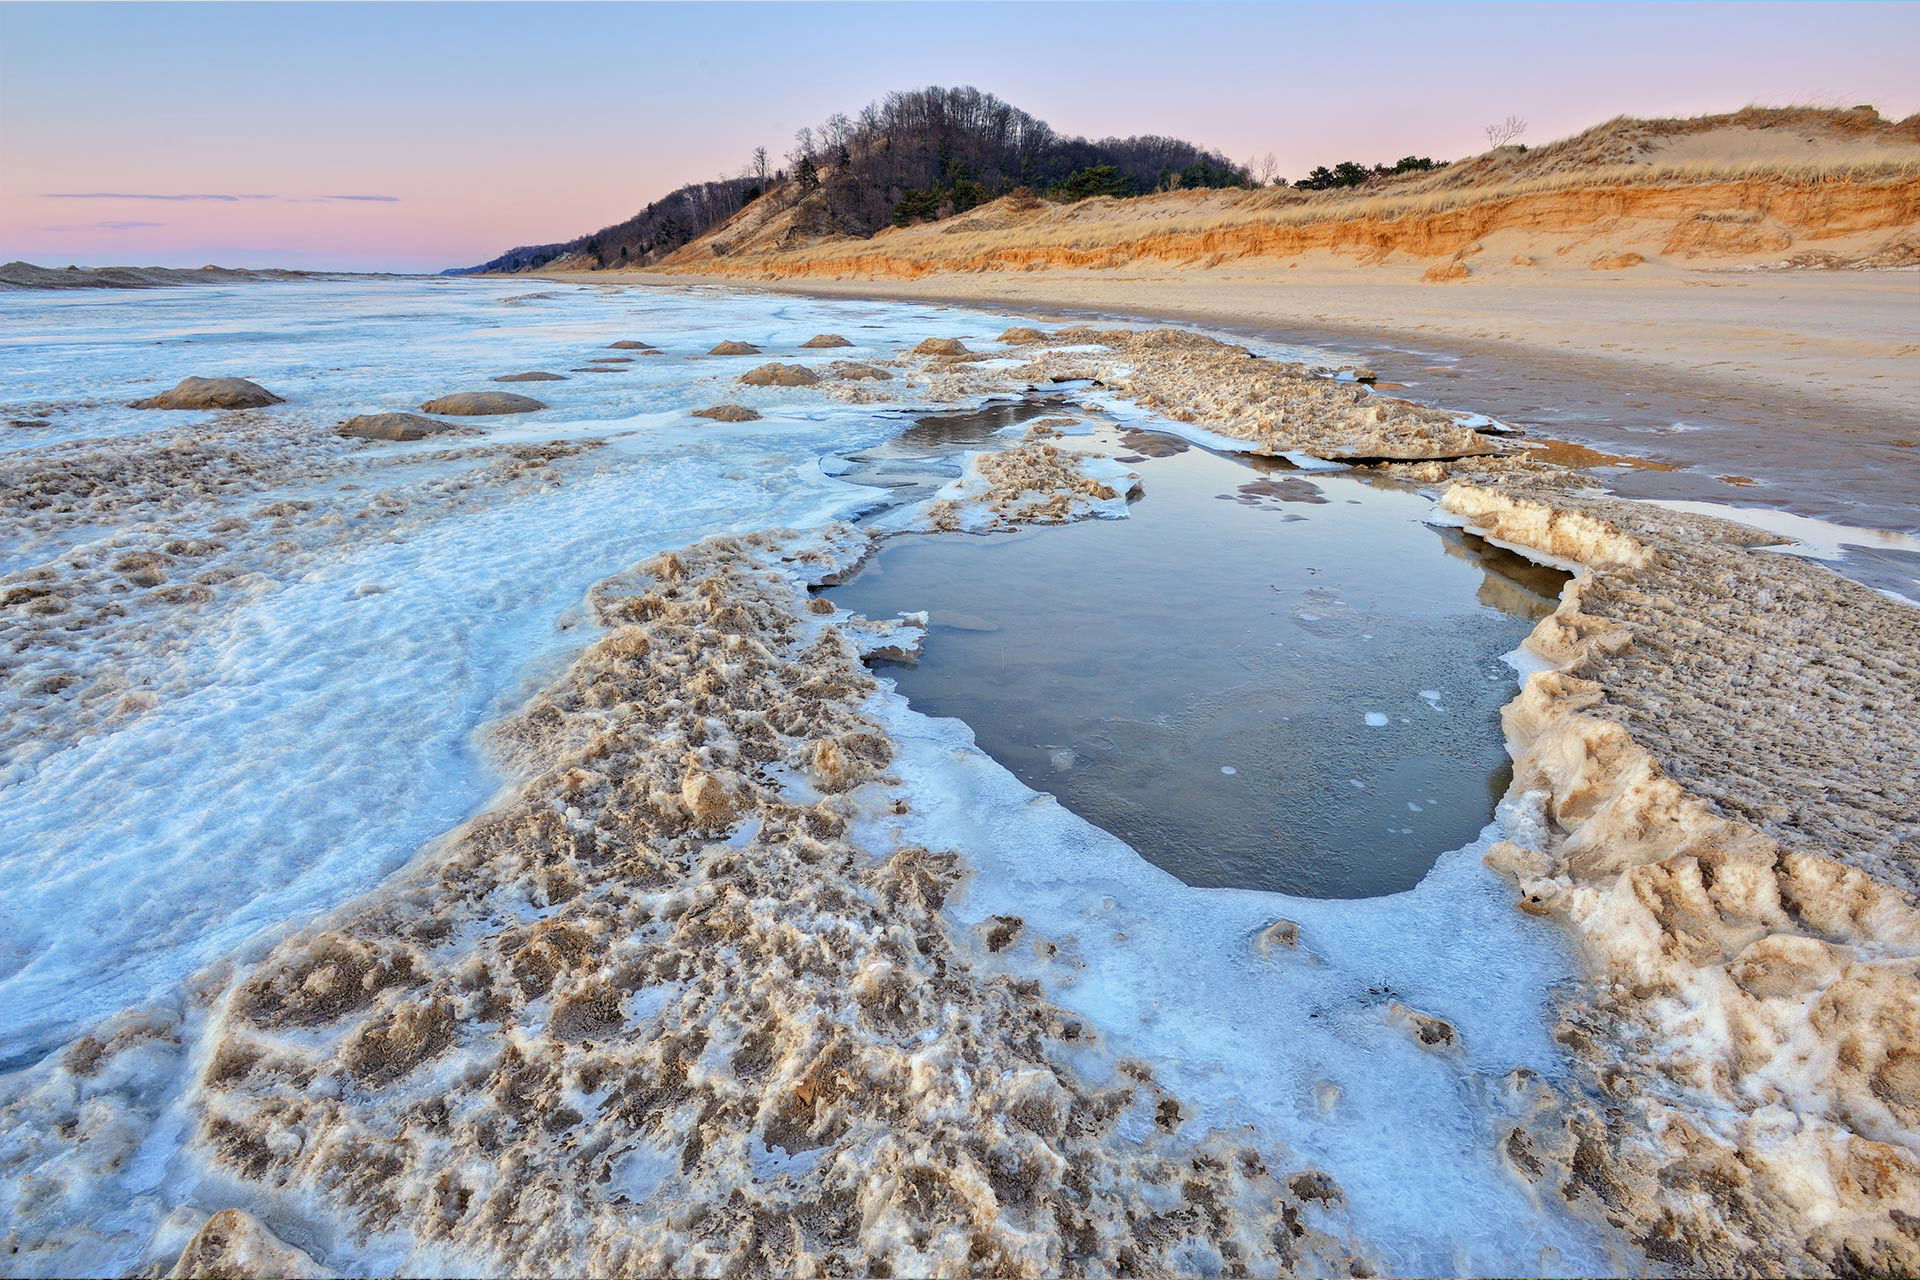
(1673,881)
(1838,447)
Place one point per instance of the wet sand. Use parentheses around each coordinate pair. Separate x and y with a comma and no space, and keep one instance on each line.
(1803,387)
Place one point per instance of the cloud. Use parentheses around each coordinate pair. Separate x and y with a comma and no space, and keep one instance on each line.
(107,226)
(219,197)
(132,195)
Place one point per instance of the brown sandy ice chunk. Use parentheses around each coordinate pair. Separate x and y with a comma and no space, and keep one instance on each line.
(478,404)
(631,344)
(941,347)
(232,1245)
(532,375)
(211,393)
(732,348)
(819,340)
(779,375)
(855,371)
(728,413)
(393,426)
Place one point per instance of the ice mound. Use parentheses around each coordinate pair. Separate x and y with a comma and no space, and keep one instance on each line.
(1748,904)
(1031,483)
(728,413)
(393,426)
(820,340)
(664,988)
(533,375)
(854,371)
(480,404)
(779,375)
(211,393)
(733,348)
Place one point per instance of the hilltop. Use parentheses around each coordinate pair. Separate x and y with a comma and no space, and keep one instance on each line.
(957,181)
(915,156)
(1790,186)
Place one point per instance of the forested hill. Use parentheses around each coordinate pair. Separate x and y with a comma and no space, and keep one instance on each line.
(916,156)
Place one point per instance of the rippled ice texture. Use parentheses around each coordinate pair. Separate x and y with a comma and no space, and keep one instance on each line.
(328,733)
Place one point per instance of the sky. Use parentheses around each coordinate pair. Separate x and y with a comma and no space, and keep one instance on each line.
(410,137)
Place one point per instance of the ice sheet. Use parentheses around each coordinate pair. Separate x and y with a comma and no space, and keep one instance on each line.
(324,728)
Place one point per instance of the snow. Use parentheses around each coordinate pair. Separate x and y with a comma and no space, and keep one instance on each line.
(328,725)
(1298,1044)
(328,728)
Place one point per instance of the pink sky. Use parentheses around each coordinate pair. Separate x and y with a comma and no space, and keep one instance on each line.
(487,126)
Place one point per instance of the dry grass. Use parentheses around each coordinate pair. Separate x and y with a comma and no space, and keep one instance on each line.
(1781,151)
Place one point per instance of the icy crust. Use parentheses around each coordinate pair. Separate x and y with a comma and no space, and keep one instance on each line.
(657,1014)
(1273,406)
(202,523)
(1033,482)
(1721,763)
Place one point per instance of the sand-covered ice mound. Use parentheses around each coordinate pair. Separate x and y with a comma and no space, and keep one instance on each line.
(480,404)
(394,426)
(779,375)
(211,393)
(728,413)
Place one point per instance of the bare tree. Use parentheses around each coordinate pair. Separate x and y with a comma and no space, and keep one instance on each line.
(802,146)
(1266,169)
(759,165)
(1499,135)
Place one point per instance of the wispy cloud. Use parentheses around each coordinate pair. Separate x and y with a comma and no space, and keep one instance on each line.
(142,195)
(107,226)
(216,197)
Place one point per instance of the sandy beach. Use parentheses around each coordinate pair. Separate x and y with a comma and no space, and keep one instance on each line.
(1796,391)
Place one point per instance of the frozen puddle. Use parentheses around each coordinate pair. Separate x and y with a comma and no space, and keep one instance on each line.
(1258,680)
(1305,1043)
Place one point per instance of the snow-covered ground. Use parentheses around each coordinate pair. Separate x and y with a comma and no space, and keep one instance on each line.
(319,720)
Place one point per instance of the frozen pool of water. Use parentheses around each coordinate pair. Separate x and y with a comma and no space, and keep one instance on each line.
(1260,679)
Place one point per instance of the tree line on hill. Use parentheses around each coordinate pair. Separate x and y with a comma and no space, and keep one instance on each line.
(920,155)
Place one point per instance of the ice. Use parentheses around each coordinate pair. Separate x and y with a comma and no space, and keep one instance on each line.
(325,728)
(1298,1044)
(1377,720)
(1816,539)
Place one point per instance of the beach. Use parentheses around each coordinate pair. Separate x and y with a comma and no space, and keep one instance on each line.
(735,959)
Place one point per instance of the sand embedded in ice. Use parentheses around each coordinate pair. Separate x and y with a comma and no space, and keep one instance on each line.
(245,659)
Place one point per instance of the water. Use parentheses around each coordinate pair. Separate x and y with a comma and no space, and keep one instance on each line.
(1258,680)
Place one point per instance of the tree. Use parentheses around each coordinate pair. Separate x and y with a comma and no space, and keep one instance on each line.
(1499,135)
(1266,169)
(806,173)
(759,166)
